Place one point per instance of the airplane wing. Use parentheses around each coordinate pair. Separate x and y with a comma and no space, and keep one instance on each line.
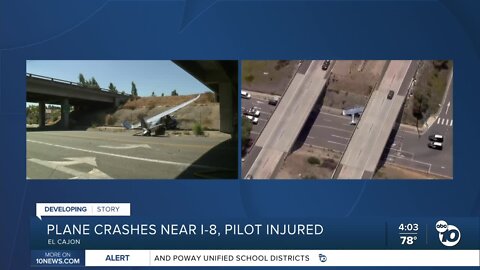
(353,111)
(152,121)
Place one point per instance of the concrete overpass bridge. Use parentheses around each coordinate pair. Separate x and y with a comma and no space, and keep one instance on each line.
(365,148)
(289,117)
(46,90)
(222,78)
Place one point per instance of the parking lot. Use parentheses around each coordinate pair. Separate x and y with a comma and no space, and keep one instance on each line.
(266,110)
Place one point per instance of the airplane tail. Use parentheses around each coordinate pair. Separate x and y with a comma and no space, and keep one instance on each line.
(127,124)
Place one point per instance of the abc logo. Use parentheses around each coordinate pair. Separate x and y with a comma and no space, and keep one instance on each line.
(449,235)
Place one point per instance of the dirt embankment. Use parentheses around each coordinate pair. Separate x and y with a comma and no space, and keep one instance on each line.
(309,163)
(352,81)
(205,111)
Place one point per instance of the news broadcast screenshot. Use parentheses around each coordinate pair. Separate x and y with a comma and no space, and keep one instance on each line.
(239,133)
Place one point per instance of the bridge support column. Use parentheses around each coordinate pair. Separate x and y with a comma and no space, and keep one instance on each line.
(65,113)
(41,114)
(227,100)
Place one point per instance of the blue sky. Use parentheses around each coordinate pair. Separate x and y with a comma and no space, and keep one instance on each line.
(155,75)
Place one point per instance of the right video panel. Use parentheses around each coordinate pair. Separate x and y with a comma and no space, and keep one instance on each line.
(347,119)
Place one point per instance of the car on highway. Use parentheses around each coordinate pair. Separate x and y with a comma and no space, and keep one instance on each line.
(252,119)
(245,94)
(325,65)
(436,138)
(435,145)
(390,94)
(252,111)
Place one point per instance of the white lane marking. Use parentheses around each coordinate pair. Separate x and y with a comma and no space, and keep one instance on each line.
(125,146)
(337,143)
(78,160)
(334,128)
(260,102)
(336,136)
(438,121)
(448,106)
(310,137)
(451,122)
(254,132)
(443,120)
(61,166)
(334,115)
(182,164)
(263,120)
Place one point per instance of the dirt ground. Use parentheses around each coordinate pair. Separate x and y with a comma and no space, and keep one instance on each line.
(270,77)
(394,172)
(352,81)
(297,165)
(204,110)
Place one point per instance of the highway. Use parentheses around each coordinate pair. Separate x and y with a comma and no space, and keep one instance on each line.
(281,131)
(119,155)
(367,144)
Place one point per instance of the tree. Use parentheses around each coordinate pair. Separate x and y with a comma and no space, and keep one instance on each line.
(246,128)
(134,90)
(153,94)
(93,83)
(174,92)
(81,80)
(163,94)
(112,88)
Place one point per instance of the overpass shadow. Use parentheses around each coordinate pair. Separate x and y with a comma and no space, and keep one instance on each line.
(223,156)
(391,138)
(302,137)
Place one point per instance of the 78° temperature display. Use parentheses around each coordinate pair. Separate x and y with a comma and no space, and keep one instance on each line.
(408,233)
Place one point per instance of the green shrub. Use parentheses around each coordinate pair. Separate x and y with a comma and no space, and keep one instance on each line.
(249,78)
(313,160)
(198,129)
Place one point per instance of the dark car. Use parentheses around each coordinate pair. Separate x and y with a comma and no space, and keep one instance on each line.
(435,145)
(273,101)
(436,138)
(325,65)
(390,94)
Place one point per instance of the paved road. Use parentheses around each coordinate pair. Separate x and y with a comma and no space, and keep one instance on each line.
(330,130)
(107,155)
(285,125)
(411,148)
(368,142)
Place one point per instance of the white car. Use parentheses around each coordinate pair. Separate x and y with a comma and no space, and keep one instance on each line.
(252,119)
(253,112)
(245,94)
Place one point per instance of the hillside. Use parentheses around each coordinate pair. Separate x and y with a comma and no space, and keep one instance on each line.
(204,110)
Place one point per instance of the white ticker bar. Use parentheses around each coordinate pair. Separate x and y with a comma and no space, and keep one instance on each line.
(212,258)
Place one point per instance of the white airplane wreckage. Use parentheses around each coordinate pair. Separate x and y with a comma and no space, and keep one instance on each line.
(158,124)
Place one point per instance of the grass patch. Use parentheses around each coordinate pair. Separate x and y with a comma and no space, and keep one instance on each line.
(428,92)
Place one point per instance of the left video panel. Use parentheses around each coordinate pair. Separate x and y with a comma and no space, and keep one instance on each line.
(156,119)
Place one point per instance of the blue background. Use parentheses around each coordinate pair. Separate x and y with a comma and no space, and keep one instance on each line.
(94,29)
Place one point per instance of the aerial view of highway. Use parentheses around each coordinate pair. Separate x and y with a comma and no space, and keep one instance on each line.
(360,119)
(77,129)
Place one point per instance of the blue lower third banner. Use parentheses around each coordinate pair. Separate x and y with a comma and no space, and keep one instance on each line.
(134,241)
